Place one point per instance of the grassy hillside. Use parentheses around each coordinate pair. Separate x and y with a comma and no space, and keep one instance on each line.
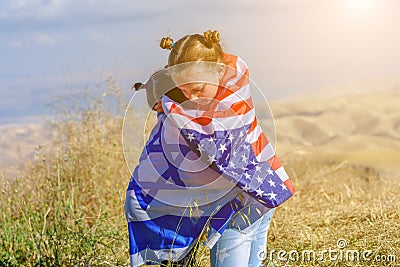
(344,154)
(66,209)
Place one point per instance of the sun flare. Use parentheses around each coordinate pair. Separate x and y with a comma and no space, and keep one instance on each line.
(361,5)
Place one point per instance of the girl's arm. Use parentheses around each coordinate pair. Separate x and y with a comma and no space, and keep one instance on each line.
(158,106)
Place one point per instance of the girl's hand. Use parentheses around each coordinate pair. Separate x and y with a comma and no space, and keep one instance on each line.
(158,107)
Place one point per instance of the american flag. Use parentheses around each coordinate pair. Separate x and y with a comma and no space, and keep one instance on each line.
(200,162)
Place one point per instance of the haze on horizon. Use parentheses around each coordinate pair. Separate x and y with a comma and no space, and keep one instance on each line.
(55,47)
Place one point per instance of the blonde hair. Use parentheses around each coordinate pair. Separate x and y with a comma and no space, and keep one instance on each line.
(192,48)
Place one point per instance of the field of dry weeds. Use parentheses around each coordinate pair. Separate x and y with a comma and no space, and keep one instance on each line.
(66,207)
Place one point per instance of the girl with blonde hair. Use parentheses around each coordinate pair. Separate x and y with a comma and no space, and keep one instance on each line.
(207,163)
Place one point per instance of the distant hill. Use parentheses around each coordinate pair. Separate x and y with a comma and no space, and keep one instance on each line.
(358,127)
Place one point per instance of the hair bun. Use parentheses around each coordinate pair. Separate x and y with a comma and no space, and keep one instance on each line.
(211,37)
(167,43)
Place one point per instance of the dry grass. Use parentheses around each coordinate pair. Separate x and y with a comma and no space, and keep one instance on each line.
(67,207)
(338,200)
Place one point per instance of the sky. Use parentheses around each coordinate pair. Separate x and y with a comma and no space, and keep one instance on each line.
(50,48)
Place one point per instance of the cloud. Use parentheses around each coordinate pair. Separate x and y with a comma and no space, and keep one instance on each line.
(33,39)
(100,37)
(56,14)
(16,43)
(43,39)
(22,9)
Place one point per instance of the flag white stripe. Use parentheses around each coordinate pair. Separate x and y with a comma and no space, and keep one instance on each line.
(267,153)
(254,135)
(282,173)
(217,124)
(184,122)
(222,124)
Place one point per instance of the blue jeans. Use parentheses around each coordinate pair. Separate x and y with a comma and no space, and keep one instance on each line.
(241,247)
